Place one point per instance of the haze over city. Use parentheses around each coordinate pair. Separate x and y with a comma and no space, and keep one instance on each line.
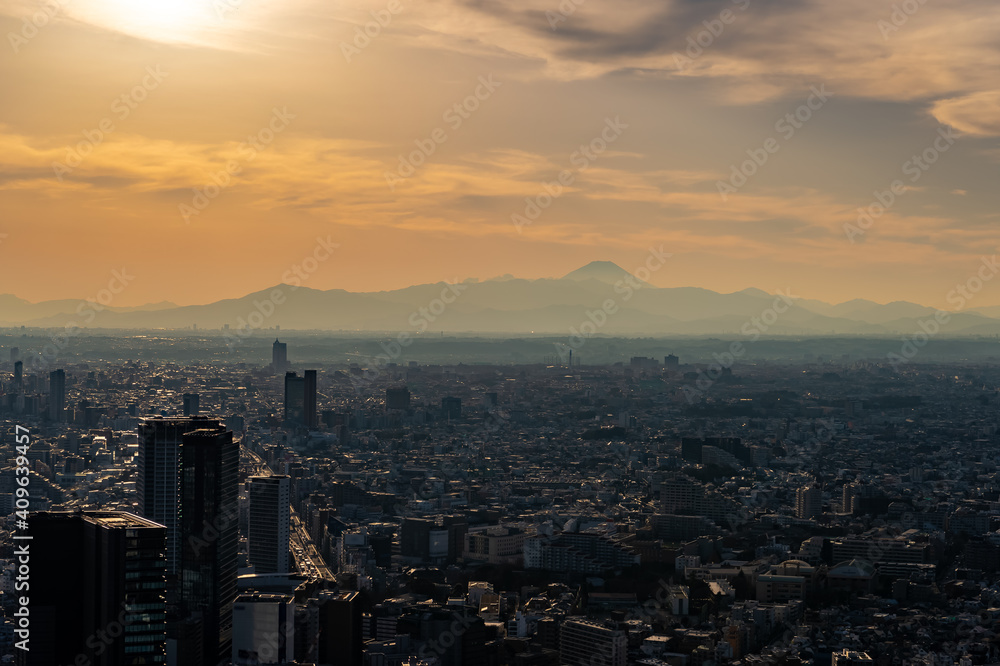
(499,333)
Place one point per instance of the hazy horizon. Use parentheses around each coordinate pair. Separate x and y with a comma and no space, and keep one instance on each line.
(205,146)
(403,286)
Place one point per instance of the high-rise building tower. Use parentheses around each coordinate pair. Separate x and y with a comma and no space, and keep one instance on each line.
(309,400)
(158,481)
(300,399)
(295,398)
(18,374)
(808,502)
(209,528)
(279,356)
(191,404)
(187,480)
(57,394)
(268,529)
(97,589)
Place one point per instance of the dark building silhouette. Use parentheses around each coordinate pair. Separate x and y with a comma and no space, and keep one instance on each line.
(441,540)
(414,537)
(268,528)
(309,400)
(671,362)
(97,589)
(295,398)
(300,399)
(209,527)
(191,404)
(187,480)
(18,374)
(279,356)
(57,394)
(397,398)
(158,480)
(451,407)
(463,630)
(341,638)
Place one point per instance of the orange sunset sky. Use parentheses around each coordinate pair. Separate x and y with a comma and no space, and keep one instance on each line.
(114,113)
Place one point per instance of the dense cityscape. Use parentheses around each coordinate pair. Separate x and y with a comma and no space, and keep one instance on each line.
(649,511)
(499,333)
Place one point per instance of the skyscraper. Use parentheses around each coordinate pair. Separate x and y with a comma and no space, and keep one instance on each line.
(18,374)
(808,502)
(158,480)
(209,527)
(309,400)
(295,398)
(279,356)
(300,399)
(187,481)
(268,528)
(191,404)
(97,589)
(57,394)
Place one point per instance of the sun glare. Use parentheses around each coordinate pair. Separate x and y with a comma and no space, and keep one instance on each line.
(173,21)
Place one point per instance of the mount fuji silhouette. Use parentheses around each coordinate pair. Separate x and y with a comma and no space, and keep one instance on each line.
(511,306)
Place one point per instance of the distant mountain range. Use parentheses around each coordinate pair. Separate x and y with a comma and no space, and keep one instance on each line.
(508,305)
